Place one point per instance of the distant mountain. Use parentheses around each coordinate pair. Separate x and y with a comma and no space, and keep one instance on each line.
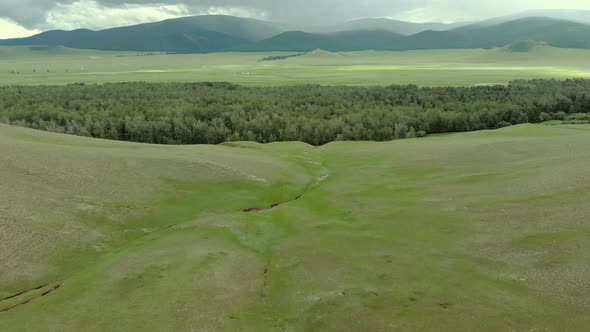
(554,32)
(244,28)
(400,27)
(203,34)
(187,34)
(299,41)
(574,15)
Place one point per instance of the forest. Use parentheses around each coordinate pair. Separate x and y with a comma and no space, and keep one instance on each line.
(212,113)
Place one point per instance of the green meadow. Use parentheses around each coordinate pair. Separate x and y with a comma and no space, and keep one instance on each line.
(56,65)
(480,231)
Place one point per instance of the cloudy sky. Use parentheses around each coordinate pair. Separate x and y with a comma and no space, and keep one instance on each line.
(20,18)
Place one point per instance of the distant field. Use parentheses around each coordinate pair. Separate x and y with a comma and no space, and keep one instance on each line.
(25,65)
(480,231)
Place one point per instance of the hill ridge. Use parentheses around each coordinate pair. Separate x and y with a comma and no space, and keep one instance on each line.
(218,33)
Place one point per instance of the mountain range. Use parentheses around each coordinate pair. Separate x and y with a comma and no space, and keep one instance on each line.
(396,26)
(216,33)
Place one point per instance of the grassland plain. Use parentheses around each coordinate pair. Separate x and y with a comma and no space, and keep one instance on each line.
(481,231)
(38,65)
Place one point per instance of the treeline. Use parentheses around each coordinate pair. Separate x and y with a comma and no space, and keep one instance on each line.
(194,113)
(280,57)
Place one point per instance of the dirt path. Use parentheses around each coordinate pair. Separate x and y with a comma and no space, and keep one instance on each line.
(272,206)
(265,280)
(48,291)
(11,302)
(23,292)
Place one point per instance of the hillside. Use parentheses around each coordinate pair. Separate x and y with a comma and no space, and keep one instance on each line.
(573,15)
(204,34)
(396,26)
(558,33)
(14,53)
(554,32)
(299,41)
(189,34)
(244,28)
(96,233)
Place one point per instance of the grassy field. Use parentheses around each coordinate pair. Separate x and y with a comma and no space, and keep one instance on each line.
(25,65)
(482,231)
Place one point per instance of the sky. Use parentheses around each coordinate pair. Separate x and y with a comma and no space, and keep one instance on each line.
(20,18)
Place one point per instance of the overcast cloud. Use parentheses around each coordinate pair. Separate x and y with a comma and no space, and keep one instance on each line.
(25,17)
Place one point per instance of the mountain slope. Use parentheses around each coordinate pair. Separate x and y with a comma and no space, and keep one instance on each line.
(188,34)
(244,28)
(554,32)
(400,27)
(334,42)
(579,16)
(202,34)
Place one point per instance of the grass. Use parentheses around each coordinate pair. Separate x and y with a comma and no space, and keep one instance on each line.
(25,65)
(478,231)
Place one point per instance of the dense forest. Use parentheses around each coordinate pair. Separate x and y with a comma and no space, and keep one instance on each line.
(192,113)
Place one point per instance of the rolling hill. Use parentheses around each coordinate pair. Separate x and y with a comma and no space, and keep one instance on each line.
(334,42)
(558,33)
(580,16)
(396,26)
(205,34)
(97,233)
(188,34)
(555,32)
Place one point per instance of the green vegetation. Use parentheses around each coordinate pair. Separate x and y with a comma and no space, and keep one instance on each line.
(451,232)
(24,66)
(461,232)
(578,118)
(281,57)
(196,113)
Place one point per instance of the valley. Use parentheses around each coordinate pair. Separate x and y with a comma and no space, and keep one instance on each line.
(300,166)
(454,232)
(24,65)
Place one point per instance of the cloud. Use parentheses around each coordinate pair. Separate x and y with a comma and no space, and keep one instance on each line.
(45,13)
(30,15)
(325,11)
(10,29)
(92,15)
(296,11)
(27,13)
